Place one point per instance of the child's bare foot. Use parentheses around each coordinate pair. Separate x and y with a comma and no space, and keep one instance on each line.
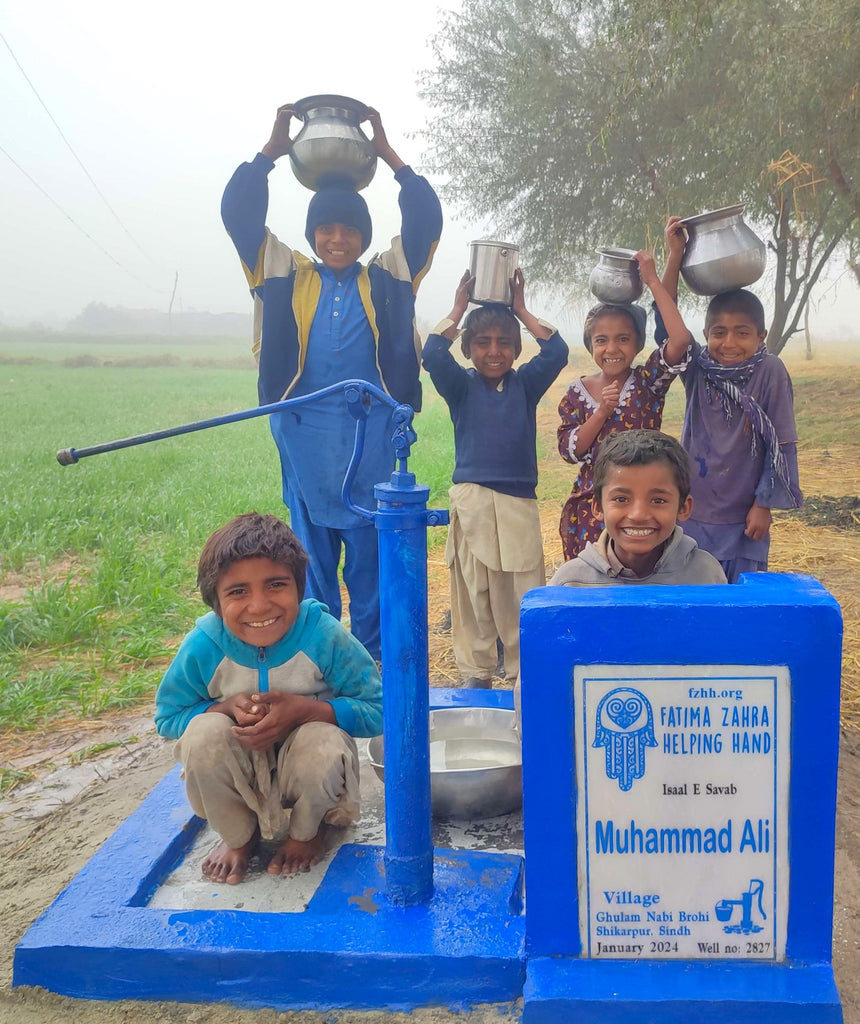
(225,864)
(294,855)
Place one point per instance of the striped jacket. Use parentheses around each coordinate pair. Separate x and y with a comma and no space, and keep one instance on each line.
(286,286)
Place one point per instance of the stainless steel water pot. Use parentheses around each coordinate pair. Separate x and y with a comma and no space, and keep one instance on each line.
(331,142)
(616,276)
(492,264)
(722,252)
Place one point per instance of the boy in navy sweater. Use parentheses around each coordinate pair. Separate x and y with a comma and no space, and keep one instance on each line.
(494,549)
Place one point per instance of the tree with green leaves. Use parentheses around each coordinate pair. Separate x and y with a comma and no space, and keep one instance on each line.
(575,124)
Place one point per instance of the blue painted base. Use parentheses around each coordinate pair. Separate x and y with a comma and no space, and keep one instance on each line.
(562,990)
(460,697)
(350,948)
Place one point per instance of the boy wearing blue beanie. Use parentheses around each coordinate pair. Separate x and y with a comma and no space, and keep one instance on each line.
(320,321)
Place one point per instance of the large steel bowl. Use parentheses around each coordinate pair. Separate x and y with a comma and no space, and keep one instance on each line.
(476,766)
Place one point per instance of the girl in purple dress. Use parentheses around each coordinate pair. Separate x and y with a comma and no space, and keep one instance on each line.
(618,397)
(739,427)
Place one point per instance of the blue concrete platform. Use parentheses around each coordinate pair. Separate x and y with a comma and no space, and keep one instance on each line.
(350,948)
(614,992)
(460,697)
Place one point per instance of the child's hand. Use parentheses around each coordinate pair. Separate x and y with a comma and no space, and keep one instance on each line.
(518,300)
(241,708)
(380,140)
(609,397)
(647,269)
(462,297)
(758,522)
(280,713)
(250,713)
(378,136)
(280,143)
(676,238)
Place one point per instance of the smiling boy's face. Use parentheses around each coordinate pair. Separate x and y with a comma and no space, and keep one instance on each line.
(733,338)
(640,506)
(493,350)
(258,599)
(337,245)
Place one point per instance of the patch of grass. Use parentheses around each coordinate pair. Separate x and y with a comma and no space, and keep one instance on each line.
(11,778)
(72,687)
(94,749)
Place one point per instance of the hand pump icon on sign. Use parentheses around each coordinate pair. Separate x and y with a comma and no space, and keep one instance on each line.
(725,908)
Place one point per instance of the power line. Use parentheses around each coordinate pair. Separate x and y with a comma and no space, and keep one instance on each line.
(72,220)
(75,155)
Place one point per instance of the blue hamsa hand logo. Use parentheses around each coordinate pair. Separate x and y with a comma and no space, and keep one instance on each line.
(625,727)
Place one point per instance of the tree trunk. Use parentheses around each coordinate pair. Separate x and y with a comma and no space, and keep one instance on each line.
(806,331)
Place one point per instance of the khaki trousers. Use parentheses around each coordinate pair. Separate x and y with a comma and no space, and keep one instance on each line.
(485,604)
(315,772)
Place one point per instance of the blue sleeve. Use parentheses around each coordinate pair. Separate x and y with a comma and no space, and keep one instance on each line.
(184,690)
(353,677)
(421,222)
(449,378)
(244,207)
(541,370)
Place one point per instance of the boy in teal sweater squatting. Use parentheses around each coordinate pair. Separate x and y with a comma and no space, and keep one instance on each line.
(263,699)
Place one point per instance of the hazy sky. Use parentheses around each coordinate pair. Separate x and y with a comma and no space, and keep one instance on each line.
(161,102)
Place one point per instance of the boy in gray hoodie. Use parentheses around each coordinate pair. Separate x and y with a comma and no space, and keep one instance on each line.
(642,492)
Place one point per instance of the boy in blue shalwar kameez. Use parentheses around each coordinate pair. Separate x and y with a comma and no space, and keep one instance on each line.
(317,322)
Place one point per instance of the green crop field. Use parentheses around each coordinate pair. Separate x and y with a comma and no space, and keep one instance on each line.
(98,558)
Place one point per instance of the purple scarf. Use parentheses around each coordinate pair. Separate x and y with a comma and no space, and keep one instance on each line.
(728,382)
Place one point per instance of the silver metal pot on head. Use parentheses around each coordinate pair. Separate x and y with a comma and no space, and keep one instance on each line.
(723,253)
(616,277)
(492,264)
(476,767)
(331,142)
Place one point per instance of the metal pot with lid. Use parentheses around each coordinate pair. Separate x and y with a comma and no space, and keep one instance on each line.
(492,264)
(331,142)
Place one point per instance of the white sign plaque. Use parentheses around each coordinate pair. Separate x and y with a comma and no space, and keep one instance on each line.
(682,811)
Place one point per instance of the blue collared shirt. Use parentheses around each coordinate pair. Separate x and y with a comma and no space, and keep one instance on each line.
(316,439)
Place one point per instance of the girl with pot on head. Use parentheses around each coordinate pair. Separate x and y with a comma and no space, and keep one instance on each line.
(618,396)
